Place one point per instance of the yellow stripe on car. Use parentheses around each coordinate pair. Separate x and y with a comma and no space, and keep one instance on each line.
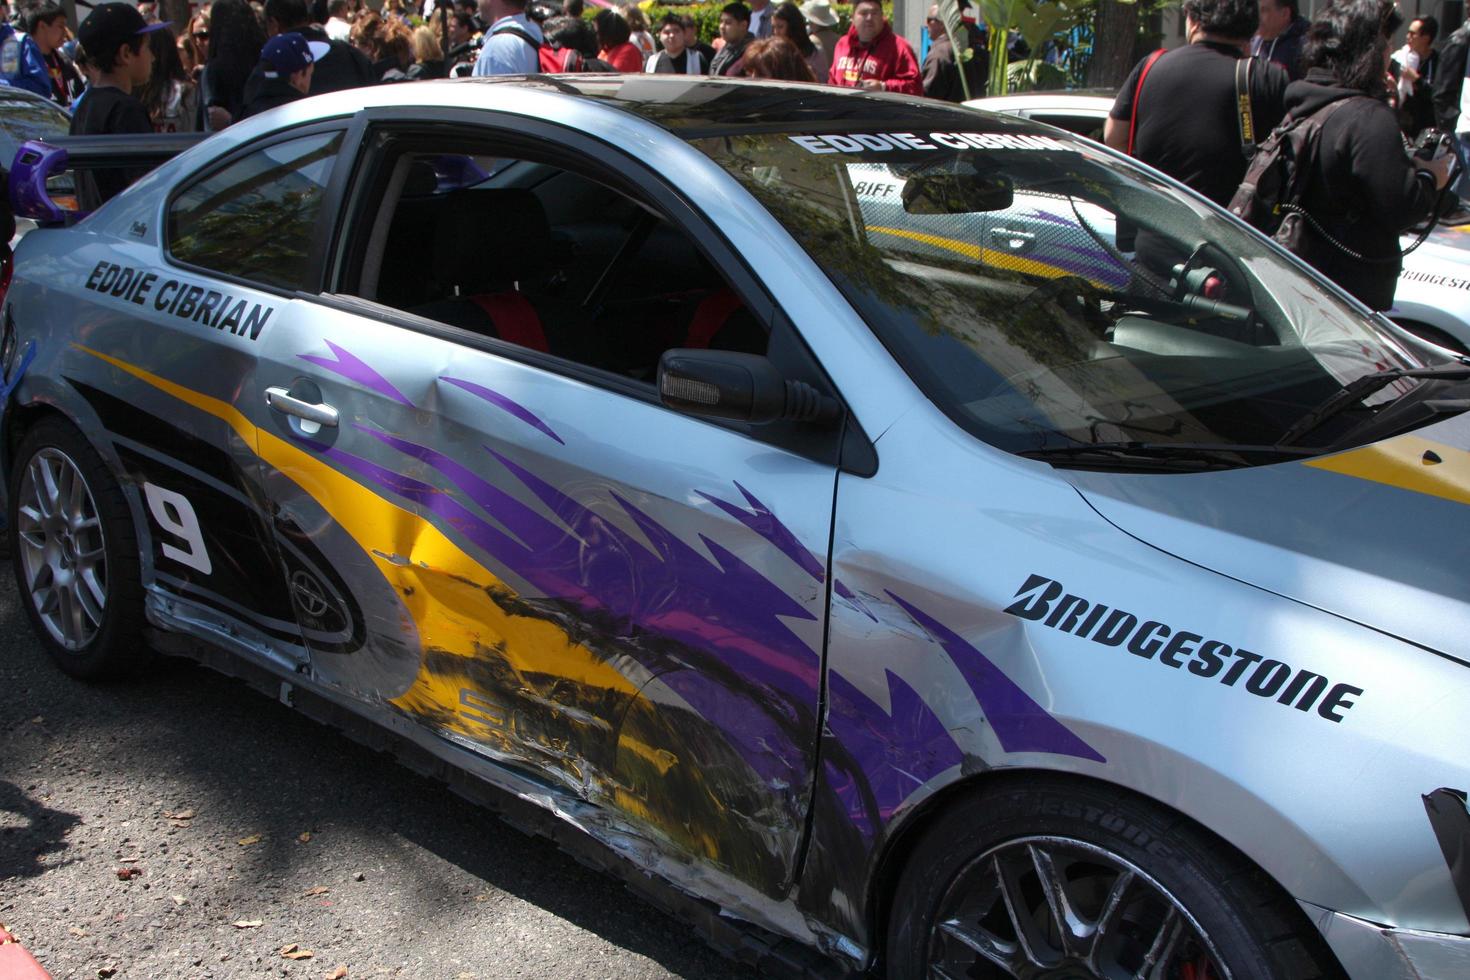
(1407,462)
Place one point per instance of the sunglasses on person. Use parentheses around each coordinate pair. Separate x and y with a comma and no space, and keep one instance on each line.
(201,35)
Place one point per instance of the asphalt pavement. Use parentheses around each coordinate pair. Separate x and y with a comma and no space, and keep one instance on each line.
(182,825)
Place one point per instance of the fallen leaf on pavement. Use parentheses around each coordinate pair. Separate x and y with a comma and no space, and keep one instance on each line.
(293,951)
(77,931)
(106,971)
(125,874)
(247,841)
(180,823)
(248,924)
(178,899)
(337,974)
(181,815)
(318,890)
(304,837)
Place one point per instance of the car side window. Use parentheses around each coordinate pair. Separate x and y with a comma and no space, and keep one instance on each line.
(543,258)
(255,218)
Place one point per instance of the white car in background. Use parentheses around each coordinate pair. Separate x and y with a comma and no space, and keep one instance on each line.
(1433,297)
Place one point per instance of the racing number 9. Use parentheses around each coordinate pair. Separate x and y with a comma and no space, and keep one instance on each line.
(175,514)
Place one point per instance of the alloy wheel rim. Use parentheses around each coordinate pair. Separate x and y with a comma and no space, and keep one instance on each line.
(63,554)
(1054,908)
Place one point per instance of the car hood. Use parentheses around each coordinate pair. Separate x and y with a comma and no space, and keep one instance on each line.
(1379,535)
(1454,237)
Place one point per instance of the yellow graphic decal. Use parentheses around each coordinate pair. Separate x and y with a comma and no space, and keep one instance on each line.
(989,256)
(448,594)
(1400,462)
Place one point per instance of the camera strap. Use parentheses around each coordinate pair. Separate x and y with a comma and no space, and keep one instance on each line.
(1243,113)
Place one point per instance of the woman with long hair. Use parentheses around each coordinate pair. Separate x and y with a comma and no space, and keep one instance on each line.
(367,34)
(1362,190)
(194,43)
(428,54)
(789,22)
(777,57)
(614,46)
(170,96)
(235,40)
(638,35)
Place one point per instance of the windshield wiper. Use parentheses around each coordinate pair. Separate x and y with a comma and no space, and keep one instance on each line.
(1359,388)
(1189,456)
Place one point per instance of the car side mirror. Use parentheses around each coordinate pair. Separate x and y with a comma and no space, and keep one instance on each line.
(741,387)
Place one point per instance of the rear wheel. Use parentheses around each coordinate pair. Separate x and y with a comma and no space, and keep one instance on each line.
(1062,880)
(75,554)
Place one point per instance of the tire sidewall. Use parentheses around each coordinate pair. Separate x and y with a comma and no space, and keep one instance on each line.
(116,648)
(1183,862)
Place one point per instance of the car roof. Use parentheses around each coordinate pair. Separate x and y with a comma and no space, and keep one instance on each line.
(688,106)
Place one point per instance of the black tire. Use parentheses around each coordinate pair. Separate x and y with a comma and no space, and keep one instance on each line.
(1228,913)
(88,638)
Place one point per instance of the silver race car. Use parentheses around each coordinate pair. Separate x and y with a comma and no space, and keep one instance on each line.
(897,538)
(1433,295)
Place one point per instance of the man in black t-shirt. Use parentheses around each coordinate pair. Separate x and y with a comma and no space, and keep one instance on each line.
(1183,118)
(342,67)
(113,37)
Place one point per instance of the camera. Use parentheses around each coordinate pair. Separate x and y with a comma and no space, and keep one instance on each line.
(1431,144)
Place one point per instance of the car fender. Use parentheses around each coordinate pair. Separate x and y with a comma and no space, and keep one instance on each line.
(966,560)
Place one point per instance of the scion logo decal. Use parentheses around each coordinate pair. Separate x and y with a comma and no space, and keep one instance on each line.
(1043,600)
(181,298)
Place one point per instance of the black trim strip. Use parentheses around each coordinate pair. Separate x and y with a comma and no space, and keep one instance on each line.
(1451,824)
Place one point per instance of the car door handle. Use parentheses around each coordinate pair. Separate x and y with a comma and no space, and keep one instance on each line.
(1012,239)
(282,401)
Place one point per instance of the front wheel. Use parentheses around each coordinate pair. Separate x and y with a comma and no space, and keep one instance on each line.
(1055,879)
(75,554)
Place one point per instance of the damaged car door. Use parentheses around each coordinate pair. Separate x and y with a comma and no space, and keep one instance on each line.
(551,569)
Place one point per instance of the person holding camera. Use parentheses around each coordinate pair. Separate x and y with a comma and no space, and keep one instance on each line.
(1361,189)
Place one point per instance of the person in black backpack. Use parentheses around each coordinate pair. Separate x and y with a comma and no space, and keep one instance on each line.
(1360,188)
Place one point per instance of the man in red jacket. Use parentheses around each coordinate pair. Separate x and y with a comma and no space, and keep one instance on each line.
(872,57)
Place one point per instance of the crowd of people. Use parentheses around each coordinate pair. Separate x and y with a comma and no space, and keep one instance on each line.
(224,67)
(1201,111)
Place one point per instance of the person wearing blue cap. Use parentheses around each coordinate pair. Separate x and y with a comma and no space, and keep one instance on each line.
(114,35)
(284,73)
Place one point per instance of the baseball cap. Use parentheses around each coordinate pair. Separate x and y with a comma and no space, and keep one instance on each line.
(286,54)
(111,25)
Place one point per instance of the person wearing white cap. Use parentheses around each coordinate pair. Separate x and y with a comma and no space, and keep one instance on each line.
(823,25)
(286,64)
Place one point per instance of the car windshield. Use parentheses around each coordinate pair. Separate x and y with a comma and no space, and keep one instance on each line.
(1050,298)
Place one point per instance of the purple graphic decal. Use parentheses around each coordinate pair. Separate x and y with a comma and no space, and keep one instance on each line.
(714,631)
(500,401)
(1041,215)
(724,608)
(895,753)
(763,522)
(353,368)
(1020,723)
(769,526)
